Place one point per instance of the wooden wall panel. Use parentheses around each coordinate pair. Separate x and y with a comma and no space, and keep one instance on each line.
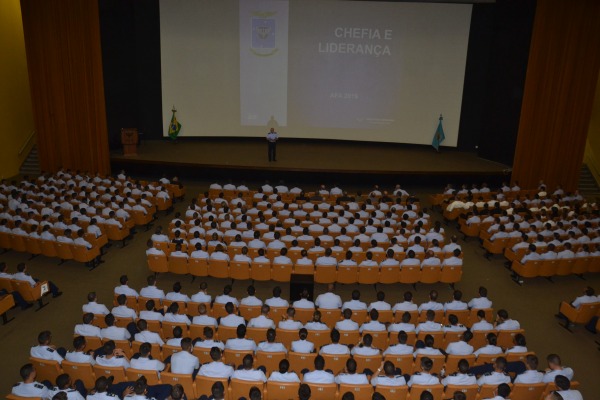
(62,39)
(564,61)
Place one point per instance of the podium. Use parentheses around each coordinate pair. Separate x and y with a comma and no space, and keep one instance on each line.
(129,140)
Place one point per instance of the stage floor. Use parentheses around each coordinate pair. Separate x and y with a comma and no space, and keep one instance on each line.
(337,157)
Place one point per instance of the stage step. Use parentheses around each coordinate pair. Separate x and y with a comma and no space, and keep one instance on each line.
(588,187)
(31,165)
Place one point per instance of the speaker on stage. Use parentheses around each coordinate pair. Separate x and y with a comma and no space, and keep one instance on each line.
(298,283)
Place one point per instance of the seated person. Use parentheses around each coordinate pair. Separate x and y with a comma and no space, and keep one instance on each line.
(270,345)
(177,337)
(432,304)
(144,335)
(283,375)
(365,347)
(428,349)
(453,325)
(456,303)
(202,296)
(404,325)
(93,307)
(150,314)
(319,375)
(22,275)
(304,302)
(173,315)
(461,377)
(302,345)
(373,324)
(390,377)
(176,294)
(497,376)
(401,348)
(216,368)
(113,332)
(247,372)
(355,304)
(531,375)
(462,347)
(316,324)
(144,359)
(209,342)
(231,319)
(251,299)
(203,318)
(504,323)
(184,362)
(380,304)
(263,320)
(240,342)
(335,347)
(79,355)
(288,321)
(555,368)
(350,376)
(45,350)
(346,324)
(276,300)
(122,311)
(329,300)
(520,344)
(424,377)
(29,387)
(480,302)
(113,356)
(482,324)
(430,325)
(87,329)
(226,297)
(406,305)
(563,384)
(490,347)
(151,290)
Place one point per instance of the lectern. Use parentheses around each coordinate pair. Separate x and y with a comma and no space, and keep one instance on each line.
(129,139)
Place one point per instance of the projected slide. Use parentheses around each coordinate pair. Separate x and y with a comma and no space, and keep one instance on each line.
(346,70)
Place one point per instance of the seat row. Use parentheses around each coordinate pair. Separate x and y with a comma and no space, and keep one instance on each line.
(29,294)
(557,267)
(262,271)
(235,388)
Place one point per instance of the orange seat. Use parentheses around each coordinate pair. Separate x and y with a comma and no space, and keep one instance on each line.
(319,338)
(239,270)
(430,274)
(256,334)
(235,357)
(436,390)
(49,248)
(389,274)
(198,267)
(470,391)
(33,245)
(438,362)
(347,274)
(157,263)
(330,316)
(452,362)
(178,265)
(167,328)
(360,392)
(81,371)
(218,268)
(527,391)
(260,271)
(249,312)
(506,338)
(64,251)
(185,380)
(368,275)
(451,274)
(323,391)
(46,369)
(281,272)
(325,274)
(269,360)
(282,390)
(392,392)
(350,337)
(203,385)
(580,315)
(240,388)
(410,274)
(335,362)
(17,243)
(117,372)
(133,375)
(370,362)
(301,361)
(404,362)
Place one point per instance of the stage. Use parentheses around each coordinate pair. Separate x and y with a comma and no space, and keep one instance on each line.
(308,159)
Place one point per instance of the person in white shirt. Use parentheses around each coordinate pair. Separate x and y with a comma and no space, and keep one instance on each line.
(365,347)
(151,290)
(389,378)
(184,362)
(270,345)
(276,300)
(150,314)
(176,294)
(491,346)
(401,348)
(346,324)
(462,377)
(404,324)
(29,387)
(480,302)
(497,376)
(208,341)
(144,335)
(262,321)
(304,302)
(432,304)
(203,318)
(87,329)
(172,315)
(251,299)
(79,355)
(564,392)
(248,373)
(504,323)
(124,288)
(198,253)
(93,307)
(112,332)
(288,322)
(462,347)
(380,304)
(302,345)
(456,304)
(424,377)
(282,375)
(202,296)
(373,324)
(428,349)
(531,374)
(226,298)
(429,325)
(335,347)
(45,350)
(216,368)
(350,376)
(555,368)
(240,342)
(145,361)
(113,356)
(122,311)
(316,324)
(22,275)
(231,319)
(318,375)
(329,300)
(355,304)
(407,304)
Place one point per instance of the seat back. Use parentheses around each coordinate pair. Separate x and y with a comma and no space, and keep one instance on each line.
(319,338)
(81,371)
(185,380)
(83,254)
(235,357)
(33,245)
(17,243)
(368,275)
(269,360)
(64,251)
(325,274)
(225,333)
(323,391)
(469,390)
(281,272)
(451,274)
(380,338)
(30,294)
(438,362)
(257,334)
(430,274)
(436,390)
(452,360)
(505,338)
(389,274)
(335,362)
(410,274)
(370,362)
(178,265)
(350,337)
(330,316)
(133,375)
(260,271)
(249,312)
(218,268)
(282,390)
(6,285)
(301,361)
(117,372)
(527,391)
(240,388)
(392,392)
(198,266)
(167,328)
(565,266)
(360,392)
(405,362)
(155,350)
(46,369)
(287,336)
(239,270)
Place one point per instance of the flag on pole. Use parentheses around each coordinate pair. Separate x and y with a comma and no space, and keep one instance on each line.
(174,126)
(439,136)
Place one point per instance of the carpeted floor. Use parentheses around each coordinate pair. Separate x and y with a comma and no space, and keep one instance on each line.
(534,304)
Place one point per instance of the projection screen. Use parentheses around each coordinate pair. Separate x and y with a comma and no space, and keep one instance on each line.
(346,70)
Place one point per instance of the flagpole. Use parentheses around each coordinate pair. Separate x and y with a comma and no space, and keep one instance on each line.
(174,110)
(440,119)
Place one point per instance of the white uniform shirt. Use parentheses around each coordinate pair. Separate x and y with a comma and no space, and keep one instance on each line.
(251,301)
(232,320)
(530,376)
(126,290)
(405,306)
(480,303)
(95,308)
(384,380)
(401,326)
(508,325)
(112,362)
(354,305)
(271,347)
(399,349)
(115,333)
(240,344)
(225,298)
(303,303)
(335,348)
(319,377)
(493,378)
(423,378)
(261,322)
(459,379)
(354,379)
(328,300)
(124,312)
(183,362)
(201,297)
(379,306)
(216,369)
(566,371)
(45,353)
(302,346)
(147,364)
(277,376)
(87,330)
(277,302)
(249,375)
(372,326)
(150,337)
(152,292)
(204,320)
(33,389)
(80,357)
(482,325)
(459,348)
(290,324)
(346,325)
(209,344)
(428,326)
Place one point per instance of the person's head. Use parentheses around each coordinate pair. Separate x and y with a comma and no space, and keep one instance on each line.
(215,353)
(426,395)
(317,316)
(255,393)
(428,340)
(531,362)
(402,337)
(303,333)
(335,335)
(463,366)
(347,313)
(380,296)
(503,390)
(491,338)
(348,396)
(121,299)
(276,291)
(284,366)
(265,309)
(430,315)
(367,340)
(247,362)
(145,349)
(319,363)
(562,382)
(142,325)
(177,392)
(374,314)
(229,307)
(271,335)
(174,308)
(91,296)
(453,319)
(241,331)
(186,344)
(44,337)
(519,340)
(304,392)
(218,390)
(467,336)
(483,291)
(426,364)
(177,332)
(481,315)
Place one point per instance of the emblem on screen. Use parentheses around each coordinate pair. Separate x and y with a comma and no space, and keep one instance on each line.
(263,34)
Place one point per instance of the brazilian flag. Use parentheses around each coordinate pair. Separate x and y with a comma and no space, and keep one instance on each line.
(174,127)
(439,136)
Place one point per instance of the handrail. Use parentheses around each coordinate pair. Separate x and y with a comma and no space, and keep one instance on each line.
(27,142)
